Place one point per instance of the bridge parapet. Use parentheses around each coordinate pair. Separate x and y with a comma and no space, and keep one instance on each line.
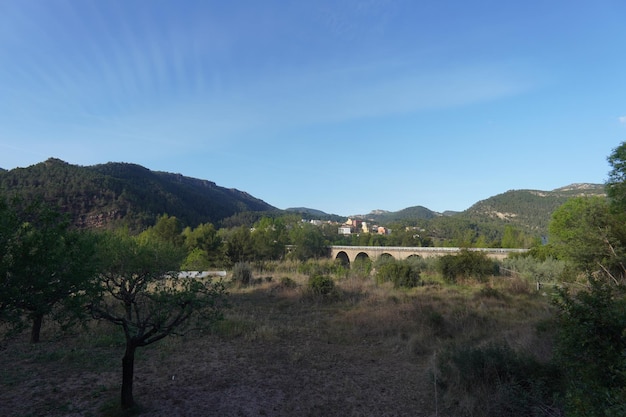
(352,253)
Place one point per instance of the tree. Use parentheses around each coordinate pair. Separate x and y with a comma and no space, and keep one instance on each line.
(238,244)
(308,242)
(47,268)
(144,295)
(204,246)
(591,343)
(269,238)
(616,184)
(585,231)
(467,264)
(166,229)
(402,273)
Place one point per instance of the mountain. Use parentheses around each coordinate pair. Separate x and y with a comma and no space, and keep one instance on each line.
(409,214)
(313,214)
(529,210)
(113,194)
(122,193)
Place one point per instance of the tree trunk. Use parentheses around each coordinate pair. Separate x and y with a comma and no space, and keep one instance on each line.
(128,369)
(36,330)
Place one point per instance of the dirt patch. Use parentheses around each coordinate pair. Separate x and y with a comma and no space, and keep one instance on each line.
(276,354)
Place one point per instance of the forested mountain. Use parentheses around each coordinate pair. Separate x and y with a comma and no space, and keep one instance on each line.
(530,210)
(122,193)
(115,194)
(485,223)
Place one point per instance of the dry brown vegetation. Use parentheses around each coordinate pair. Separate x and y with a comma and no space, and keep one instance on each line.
(367,350)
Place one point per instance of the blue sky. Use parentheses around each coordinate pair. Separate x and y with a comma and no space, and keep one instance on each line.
(345,106)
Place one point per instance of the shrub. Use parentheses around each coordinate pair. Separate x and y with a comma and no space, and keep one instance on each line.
(242,274)
(591,348)
(400,273)
(490,292)
(494,380)
(361,267)
(321,267)
(321,285)
(534,269)
(286,282)
(467,264)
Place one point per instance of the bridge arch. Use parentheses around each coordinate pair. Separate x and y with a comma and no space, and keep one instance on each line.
(361,256)
(343,258)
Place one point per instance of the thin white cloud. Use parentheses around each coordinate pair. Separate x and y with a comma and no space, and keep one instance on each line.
(622,119)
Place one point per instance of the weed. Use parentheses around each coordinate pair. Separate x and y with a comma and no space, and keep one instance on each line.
(242,274)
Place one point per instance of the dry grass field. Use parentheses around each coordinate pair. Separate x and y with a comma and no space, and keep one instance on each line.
(368,350)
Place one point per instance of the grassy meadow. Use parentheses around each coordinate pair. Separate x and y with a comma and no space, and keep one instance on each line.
(361,349)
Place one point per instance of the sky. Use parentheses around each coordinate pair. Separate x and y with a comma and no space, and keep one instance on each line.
(344,106)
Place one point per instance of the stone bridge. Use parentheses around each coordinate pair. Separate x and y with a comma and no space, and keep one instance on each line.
(349,254)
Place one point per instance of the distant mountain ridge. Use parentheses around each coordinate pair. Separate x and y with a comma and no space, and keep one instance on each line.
(119,193)
(409,213)
(123,193)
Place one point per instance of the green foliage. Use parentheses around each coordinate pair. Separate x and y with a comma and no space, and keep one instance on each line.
(46,268)
(534,269)
(585,232)
(361,267)
(242,274)
(591,343)
(322,267)
(616,184)
(269,237)
(146,297)
(309,242)
(238,244)
(467,264)
(196,260)
(167,229)
(494,380)
(400,273)
(321,285)
(591,349)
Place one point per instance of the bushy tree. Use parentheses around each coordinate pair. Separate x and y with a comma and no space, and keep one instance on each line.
(238,245)
(321,285)
(167,229)
(204,246)
(616,183)
(269,237)
(308,241)
(591,345)
(585,232)
(144,295)
(46,268)
(400,273)
(466,264)
(591,348)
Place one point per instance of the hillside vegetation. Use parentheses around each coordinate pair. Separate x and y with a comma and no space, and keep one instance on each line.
(113,194)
